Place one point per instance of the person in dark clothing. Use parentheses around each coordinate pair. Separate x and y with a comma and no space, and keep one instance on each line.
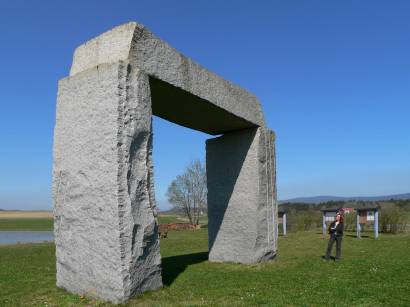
(336,234)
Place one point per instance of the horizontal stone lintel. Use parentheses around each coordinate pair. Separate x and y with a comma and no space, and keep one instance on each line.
(159,60)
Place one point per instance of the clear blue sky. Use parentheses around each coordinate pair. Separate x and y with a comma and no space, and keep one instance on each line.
(333,78)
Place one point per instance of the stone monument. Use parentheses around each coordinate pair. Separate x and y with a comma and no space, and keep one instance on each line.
(105,221)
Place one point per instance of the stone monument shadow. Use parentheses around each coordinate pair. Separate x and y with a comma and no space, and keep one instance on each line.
(173,266)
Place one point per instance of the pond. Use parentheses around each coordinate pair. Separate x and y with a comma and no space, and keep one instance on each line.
(13,237)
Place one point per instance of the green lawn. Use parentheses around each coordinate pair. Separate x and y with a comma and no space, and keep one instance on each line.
(26,224)
(47,223)
(372,273)
(167,219)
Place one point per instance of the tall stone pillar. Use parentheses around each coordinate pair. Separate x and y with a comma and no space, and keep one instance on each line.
(242,207)
(104,213)
(105,219)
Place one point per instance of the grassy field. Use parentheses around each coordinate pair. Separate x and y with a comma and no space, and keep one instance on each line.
(26,224)
(166,219)
(372,273)
(43,220)
(26,220)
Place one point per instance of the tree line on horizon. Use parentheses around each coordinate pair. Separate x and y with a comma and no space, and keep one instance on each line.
(394,215)
(398,203)
(188,195)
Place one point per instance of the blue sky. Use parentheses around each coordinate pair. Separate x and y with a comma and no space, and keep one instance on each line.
(333,78)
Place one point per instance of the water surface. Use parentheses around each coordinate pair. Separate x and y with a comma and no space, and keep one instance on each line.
(13,237)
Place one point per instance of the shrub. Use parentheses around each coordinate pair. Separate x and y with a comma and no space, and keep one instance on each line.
(305,220)
(392,220)
(350,222)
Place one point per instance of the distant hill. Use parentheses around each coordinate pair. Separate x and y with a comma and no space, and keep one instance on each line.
(326,198)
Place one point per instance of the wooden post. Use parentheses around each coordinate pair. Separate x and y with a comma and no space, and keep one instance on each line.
(358,224)
(284,223)
(324,223)
(376,224)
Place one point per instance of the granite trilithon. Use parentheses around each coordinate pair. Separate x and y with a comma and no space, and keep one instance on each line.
(105,220)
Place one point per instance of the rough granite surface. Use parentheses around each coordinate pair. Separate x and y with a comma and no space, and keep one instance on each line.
(242,204)
(105,219)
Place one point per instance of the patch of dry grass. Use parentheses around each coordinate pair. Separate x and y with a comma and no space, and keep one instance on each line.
(25,214)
